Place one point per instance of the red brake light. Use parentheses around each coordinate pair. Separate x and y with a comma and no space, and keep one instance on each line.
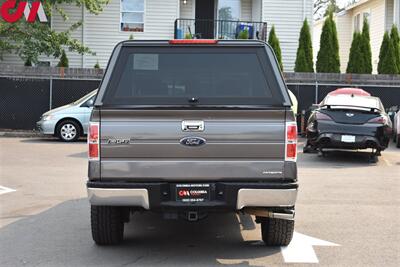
(93,141)
(291,142)
(193,41)
(322,117)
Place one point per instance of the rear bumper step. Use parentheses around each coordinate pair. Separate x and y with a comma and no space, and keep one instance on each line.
(223,195)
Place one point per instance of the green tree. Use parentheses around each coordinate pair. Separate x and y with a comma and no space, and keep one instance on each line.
(328,60)
(64,62)
(273,41)
(366,49)
(356,58)
(304,57)
(395,39)
(387,61)
(30,40)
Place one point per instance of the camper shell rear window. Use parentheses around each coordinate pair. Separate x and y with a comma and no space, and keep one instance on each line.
(198,76)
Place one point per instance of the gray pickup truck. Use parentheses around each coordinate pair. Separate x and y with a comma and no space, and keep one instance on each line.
(189,127)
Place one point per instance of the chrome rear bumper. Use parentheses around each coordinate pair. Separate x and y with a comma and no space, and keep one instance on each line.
(135,197)
(266,198)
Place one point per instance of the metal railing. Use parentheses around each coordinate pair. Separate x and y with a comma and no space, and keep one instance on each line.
(219,29)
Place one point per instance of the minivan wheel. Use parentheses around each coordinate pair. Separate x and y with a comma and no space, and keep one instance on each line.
(68,131)
(107,224)
(277,232)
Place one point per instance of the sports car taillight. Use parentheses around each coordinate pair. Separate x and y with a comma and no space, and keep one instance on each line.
(93,141)
(291,141)
(322,117)
(379,120)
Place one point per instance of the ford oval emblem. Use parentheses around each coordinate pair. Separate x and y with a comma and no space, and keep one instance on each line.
(192,141)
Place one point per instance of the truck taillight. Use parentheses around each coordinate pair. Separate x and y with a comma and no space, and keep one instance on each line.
(291,141)
(93,141)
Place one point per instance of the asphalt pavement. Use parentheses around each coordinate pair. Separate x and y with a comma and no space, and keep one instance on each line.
(347,215)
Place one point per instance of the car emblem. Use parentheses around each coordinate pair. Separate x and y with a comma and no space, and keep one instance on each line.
(349,115)
(192,141)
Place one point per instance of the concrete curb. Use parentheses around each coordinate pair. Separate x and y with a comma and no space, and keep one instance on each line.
(14,133)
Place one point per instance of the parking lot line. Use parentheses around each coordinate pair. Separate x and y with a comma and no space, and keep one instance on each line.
(5,190)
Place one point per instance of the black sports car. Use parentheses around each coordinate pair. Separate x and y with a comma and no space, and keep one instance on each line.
(349,121)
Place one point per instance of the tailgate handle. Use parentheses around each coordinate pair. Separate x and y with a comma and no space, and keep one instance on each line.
(193,126)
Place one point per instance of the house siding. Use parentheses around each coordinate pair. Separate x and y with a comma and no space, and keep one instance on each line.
(287,25)
(102,32)
(59,25)
(158,24)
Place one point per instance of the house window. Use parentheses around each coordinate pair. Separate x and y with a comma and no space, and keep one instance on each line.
(229,9)
(357,23)
(132,15)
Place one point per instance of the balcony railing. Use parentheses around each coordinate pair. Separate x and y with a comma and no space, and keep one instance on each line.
(219,29)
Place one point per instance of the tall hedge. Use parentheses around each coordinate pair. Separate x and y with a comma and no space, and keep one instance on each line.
(366,48)
(360,58)
(273,41)
(356,58)
(387,61)
(304,58)
(395,39)
(328,60)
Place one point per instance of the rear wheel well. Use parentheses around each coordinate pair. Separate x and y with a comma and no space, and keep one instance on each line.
(69,119)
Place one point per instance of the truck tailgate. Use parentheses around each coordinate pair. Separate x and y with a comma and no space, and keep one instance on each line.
(239,144)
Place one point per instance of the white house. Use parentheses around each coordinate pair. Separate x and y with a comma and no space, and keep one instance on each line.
(166,19)
(381,14)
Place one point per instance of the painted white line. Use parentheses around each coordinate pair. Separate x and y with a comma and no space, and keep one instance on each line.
(5,190)
(301,250)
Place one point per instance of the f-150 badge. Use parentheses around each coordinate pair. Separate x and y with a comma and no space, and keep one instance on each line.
(192,141)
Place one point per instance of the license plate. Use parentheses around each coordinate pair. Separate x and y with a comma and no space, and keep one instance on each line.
(190,193)
(348,138)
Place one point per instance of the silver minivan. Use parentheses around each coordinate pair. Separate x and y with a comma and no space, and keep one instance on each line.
(68,122)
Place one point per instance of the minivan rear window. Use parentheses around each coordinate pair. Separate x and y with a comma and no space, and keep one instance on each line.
(187,75)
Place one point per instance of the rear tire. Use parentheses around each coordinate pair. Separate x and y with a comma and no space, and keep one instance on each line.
(107,224)
(277,232)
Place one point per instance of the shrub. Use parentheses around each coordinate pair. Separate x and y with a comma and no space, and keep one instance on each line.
(244,34)
(304,57)
(28,62)
(97,65)
(387,61)
(188,36)
(328,60)
(63,60)
(356,58)
(366,49)
(273,41)
(395,39)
